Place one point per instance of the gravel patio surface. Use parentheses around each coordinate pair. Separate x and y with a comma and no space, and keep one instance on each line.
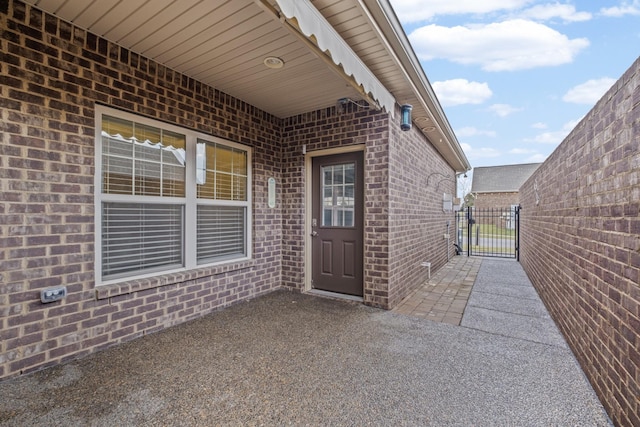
(294,359)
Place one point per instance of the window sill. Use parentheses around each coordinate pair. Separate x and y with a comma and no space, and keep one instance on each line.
(137,285)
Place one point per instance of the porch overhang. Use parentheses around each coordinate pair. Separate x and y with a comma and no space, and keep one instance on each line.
(353,49)
(314,26)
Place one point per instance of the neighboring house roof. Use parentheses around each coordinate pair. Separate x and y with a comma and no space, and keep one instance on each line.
(506,179)
(331,50)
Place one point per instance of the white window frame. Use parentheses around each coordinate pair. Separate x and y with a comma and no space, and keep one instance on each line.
(190,200)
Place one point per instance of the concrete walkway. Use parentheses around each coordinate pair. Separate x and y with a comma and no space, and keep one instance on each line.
(293,359)
(504,302)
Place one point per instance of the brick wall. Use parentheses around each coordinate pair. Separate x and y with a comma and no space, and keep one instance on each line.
(580,228)
(404,222)
(51,76)
(376,223)
(496,200)
(332,128)
(417,222)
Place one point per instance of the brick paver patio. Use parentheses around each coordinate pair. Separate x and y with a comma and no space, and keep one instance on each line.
(444,297)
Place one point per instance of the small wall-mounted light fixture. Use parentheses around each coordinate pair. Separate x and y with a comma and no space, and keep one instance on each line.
(405,124)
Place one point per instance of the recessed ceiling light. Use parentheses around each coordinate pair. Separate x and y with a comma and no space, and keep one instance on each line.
(429,129)
(422,119)
(273,62)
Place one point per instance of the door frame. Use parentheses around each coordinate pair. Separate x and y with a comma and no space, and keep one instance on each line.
(308,214)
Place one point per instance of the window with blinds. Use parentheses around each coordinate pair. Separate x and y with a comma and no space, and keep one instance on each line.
(142,160)
(141,237)
(155,180)
(222,172)
(222,177)
(221,232)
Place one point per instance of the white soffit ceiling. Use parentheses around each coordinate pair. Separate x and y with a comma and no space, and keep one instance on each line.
(220,43)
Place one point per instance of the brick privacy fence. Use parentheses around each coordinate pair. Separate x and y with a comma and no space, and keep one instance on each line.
(580,228)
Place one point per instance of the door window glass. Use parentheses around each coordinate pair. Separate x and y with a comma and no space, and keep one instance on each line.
(338,192)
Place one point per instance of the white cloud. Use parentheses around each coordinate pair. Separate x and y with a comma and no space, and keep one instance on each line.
(516,44)
(461,91)
(503,110)
(471,131)
(522,151)
(588,92)
(549,137)
(554,137)
(536,158)
(479,153)
(539,125)
(485,152)
(626,8)
(533,155)
(544,12)
(417,11)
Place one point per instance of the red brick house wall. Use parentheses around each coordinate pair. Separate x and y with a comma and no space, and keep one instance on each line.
(417,222)
(52,76)
(404,221)
(580,243)
(496,200)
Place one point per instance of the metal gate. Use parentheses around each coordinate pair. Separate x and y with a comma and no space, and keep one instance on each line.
(493,232)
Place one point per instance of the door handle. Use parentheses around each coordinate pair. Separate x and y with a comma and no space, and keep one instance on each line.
(314,233)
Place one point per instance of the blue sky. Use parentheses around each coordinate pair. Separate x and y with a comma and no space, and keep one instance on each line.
(515,76)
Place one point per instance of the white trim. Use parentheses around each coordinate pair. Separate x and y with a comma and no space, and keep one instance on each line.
(311,23)
(189,201)
(308,200)
(190,210)
(97,198)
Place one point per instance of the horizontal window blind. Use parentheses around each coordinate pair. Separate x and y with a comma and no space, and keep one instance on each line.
(140,238)
(142,168)
(221,232)
(222,172)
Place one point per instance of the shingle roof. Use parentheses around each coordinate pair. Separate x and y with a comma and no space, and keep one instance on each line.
(507,178)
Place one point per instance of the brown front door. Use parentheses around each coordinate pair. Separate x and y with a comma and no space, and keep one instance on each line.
(337,222)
